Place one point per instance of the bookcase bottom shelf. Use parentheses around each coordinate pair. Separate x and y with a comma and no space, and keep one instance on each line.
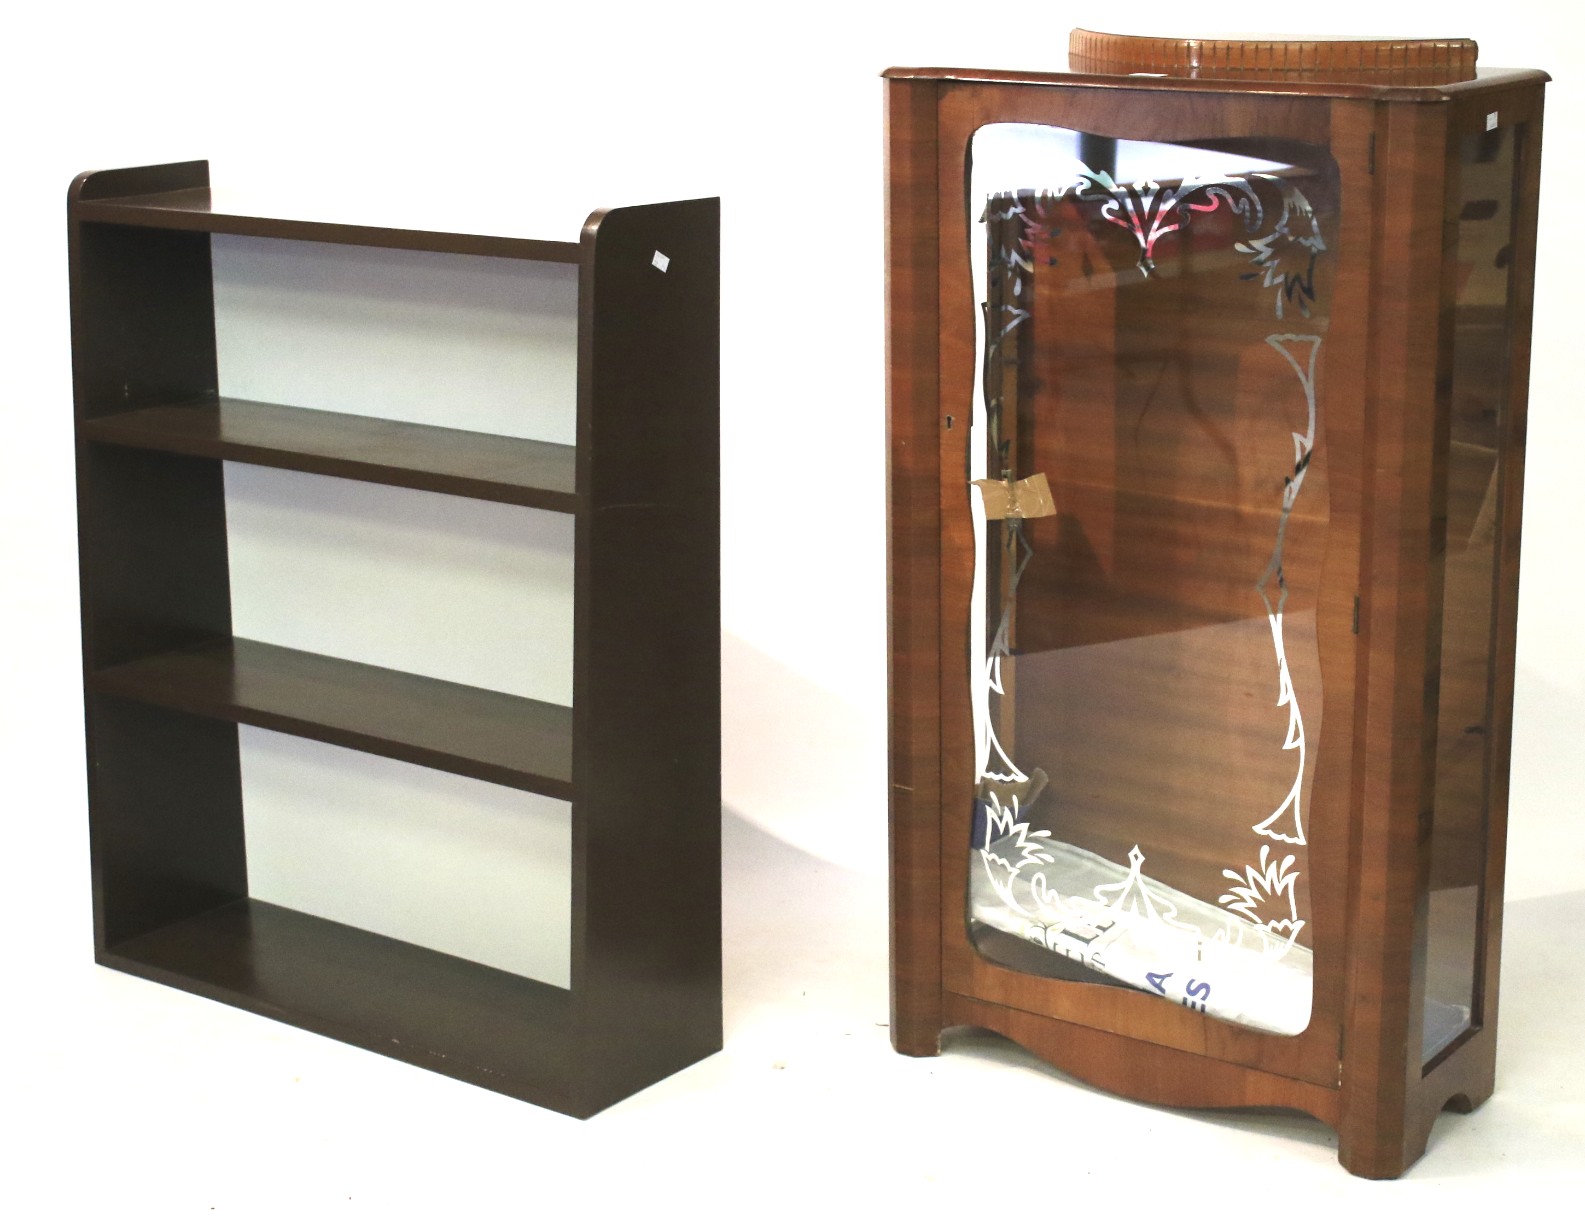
(475,1023)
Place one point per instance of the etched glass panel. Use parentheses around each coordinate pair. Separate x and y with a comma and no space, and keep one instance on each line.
(1479,390)
(1149,495)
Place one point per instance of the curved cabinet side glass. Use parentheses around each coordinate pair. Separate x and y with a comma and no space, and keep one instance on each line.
(1472,448)
(1148,485)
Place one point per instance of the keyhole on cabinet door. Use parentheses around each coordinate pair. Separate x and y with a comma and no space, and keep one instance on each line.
(949,422)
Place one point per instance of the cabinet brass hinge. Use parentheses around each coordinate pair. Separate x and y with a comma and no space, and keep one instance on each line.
(1356,614)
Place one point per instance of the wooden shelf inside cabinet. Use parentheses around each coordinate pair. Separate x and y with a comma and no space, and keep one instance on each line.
(1202,616)
(166,683)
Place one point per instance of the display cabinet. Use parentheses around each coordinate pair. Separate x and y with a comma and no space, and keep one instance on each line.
(623,752)
(1207,384)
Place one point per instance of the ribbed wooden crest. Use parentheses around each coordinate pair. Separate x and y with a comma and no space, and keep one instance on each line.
(1366,60)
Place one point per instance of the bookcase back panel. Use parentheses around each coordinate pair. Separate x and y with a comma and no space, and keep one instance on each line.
(474,343)
(453,588)
(471,869)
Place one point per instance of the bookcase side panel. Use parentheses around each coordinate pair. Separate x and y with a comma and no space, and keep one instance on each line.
(647,762)
(165,818)
(165,813)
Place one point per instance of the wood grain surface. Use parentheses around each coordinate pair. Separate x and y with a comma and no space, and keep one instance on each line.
(1404,551)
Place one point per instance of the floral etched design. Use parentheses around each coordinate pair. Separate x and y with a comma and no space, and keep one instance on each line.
(1282,239)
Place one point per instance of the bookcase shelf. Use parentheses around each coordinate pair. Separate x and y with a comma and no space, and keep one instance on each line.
(167,683)
(473,732)
(193,210)
(525,472)
(371,991)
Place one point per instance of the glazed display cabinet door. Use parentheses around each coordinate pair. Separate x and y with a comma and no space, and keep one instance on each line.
(1148,497)
(1146,626)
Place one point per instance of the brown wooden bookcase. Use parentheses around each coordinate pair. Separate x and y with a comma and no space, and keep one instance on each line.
(1179,447)
(637,755)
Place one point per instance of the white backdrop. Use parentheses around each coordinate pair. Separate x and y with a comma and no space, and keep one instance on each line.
(171,1104)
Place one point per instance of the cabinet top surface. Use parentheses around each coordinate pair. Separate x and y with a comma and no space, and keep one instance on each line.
(1484,79)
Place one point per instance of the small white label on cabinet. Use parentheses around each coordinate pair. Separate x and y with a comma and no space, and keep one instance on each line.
(1491,121)
(660,261)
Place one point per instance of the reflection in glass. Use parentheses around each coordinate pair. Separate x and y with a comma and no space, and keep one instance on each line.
(1478,397)
(1150,506)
